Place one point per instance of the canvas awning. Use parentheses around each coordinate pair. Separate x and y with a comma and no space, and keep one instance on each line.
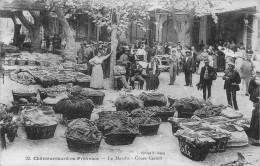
(248,6)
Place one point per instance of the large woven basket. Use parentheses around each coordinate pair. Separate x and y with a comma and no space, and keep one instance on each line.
(193,152)
(120,138)
(40,132)
(146,130)
(83,147)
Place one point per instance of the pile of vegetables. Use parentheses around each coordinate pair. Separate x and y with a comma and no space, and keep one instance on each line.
(209,111)
(47,110)
(22,77)
(194,138)
(153,99)
(117,125)
(8,126)
(34,117)
(146,121)
(83,130)
(190,104)
(75,107)
(75,90)
(128,103)
(162,112)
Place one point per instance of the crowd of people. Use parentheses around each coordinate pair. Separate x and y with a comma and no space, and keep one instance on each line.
(137,64)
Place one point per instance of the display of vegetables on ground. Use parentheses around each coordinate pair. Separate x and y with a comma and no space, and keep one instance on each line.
(154,111)
(83,130)
(117,125)
(35,117)
(22,77)
(146,121)
(75,107)
(190,104)
(209,111)
(128,103)
(8,126)
(153,99)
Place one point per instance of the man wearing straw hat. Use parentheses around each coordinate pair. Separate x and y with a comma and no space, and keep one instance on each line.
(207,75)
(231,85)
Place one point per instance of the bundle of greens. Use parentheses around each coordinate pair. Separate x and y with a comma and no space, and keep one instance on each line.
(209,111)
(83,130)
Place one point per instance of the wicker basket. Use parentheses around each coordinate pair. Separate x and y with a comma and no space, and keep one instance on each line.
(66,81)
(119,113)
(220,145)
(182,114)
(31,63)
(27,96)
(120,139)
(40,132)
(81,147)
(97,100)
(21,62)
(194,152)
(150,129)
(10,62)
(164,115)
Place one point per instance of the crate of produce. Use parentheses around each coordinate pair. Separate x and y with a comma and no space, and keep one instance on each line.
(40,132)
(221,141)
(120,138)
(96,96)
(24,104)
(37,125)
(83,136)
(28,95)
(150,126)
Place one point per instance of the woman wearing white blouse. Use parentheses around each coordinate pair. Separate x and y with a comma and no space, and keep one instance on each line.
(97,72)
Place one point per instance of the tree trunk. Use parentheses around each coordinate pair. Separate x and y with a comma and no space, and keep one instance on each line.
(36,39)
(114,43)
(34,29)
(70,51)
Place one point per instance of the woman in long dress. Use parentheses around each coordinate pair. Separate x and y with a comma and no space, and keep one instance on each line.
(152,71)
(97,72)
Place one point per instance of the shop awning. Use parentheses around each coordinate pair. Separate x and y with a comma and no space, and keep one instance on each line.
(247,6)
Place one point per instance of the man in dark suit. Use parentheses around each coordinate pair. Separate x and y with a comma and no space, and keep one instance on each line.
(231,85)
(207,75)
(188,63)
